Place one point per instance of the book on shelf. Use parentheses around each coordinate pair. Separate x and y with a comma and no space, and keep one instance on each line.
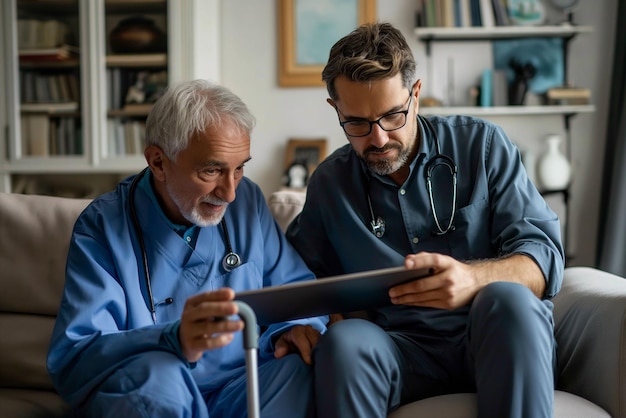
(137,60)
(138,108)
(36,135)
(568,93)
(465,11)
(487,16)
(36,33)
(60,53)
(500,88)
(568,96)
(50,107)
(500,12)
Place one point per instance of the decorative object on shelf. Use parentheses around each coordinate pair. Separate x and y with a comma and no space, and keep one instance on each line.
(567,6)
(296,175)
(136,93)
(517,56)
(137,34)
(554,169)
(523,74)
(526,12)
(307,152)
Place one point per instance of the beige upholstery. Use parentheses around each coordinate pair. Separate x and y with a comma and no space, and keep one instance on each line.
(34,238)
(590,317)
(590,314)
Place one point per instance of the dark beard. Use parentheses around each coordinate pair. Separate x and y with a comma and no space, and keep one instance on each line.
(386,166)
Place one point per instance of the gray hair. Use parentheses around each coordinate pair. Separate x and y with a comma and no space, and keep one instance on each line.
(189,108)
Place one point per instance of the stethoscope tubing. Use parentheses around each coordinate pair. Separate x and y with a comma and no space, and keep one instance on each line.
(230,261)
(377,224)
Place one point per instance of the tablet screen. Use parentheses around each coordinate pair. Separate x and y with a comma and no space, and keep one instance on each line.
(343,293)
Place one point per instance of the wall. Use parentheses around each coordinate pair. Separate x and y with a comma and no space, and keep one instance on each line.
(248,56)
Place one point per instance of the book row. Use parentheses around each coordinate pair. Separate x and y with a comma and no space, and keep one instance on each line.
(48,87)
(36,34)
(43,136)
(125,136)
(465,13)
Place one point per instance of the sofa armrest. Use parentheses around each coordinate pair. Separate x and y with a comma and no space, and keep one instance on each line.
(590,328)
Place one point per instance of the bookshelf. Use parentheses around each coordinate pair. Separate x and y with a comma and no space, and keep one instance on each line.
(136,73)
(70,93)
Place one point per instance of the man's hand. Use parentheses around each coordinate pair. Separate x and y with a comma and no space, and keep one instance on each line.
(202,324)
(299,338)
(454,284)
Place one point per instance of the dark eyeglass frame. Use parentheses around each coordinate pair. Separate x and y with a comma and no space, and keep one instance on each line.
(377,121)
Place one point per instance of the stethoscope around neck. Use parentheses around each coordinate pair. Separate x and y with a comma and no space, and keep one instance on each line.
(377,224)
(230,261)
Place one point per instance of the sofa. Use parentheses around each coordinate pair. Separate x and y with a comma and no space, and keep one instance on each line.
(590,315)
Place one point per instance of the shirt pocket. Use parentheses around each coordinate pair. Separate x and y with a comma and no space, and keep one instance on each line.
(471,238)
(245,277)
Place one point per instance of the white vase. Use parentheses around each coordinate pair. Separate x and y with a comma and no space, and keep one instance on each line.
(554,169)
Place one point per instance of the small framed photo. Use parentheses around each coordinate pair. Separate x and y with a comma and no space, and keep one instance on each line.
(306,32)
(301,158)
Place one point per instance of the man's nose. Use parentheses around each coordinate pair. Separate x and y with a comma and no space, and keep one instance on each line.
(378,136)
(226,188)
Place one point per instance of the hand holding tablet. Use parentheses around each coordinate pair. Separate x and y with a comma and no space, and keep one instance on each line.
(343,293)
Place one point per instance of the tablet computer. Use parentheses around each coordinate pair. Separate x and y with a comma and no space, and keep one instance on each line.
(334,294)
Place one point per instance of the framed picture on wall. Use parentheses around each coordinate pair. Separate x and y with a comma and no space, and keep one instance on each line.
(306,32)
(301,158)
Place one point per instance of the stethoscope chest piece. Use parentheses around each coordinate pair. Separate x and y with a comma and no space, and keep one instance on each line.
(378,227)
(231,261)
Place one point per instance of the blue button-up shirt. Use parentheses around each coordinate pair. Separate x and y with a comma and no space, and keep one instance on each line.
(498,209)
(105,317)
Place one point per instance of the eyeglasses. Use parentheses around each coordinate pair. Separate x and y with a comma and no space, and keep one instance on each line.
(363,127)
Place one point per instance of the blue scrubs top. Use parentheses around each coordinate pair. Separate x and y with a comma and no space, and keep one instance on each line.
(105,315)
(498,212)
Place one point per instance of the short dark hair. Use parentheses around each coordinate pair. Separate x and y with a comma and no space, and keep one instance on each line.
(373,51)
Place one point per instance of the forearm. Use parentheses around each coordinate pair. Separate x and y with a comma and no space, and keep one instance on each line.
(517,268)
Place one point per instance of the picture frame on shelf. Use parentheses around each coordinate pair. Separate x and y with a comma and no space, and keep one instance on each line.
(307,31)
(302,156)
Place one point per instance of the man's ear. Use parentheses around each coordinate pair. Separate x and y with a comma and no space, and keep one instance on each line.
(155,158)
(417,87)
(331,102)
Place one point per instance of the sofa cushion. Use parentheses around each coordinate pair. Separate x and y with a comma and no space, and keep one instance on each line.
(463,405)
(24,349)
(20,403)
(285,205)
(33,247)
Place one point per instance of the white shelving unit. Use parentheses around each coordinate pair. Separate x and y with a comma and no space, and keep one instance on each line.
(192,29)
(507,110)
(566,31)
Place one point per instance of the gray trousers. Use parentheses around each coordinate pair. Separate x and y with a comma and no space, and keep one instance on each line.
(506,356)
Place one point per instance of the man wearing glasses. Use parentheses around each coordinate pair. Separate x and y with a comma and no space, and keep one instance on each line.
(448,194)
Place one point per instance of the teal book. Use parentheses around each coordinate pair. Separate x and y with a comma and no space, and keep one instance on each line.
(486,91)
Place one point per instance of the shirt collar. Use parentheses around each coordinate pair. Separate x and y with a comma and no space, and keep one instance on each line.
(145,183)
